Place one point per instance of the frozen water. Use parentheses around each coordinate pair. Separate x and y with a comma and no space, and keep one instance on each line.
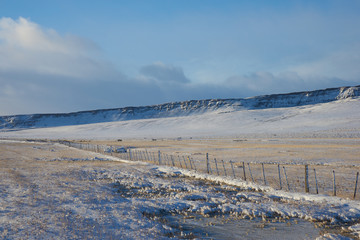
(225,227)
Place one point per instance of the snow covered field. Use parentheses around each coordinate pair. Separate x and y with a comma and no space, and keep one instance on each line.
(52,191)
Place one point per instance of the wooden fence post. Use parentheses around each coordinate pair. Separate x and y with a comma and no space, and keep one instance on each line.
(207,163)
(263,170)
(307,179)
(180,161)
(287,182)
(250,173)
(159,155)
(224,168)
(190,163)
(172,160)
(185,162)
(334,184)
(356,183)
(244,171)
(232,167)
(146,155)
(279,177)
(316,183)
(217,170)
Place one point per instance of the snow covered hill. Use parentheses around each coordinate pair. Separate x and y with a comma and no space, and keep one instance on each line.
(178,109)
(323,113)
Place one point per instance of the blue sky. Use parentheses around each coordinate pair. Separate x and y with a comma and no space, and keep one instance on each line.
(62,56)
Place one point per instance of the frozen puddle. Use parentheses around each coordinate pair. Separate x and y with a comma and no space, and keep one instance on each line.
(227,227)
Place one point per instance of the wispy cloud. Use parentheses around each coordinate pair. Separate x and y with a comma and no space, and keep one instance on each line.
(343,63)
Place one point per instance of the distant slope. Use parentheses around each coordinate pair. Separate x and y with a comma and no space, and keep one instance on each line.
(178,109)
(336,119)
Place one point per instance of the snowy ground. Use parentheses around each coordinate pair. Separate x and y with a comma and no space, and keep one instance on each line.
(52,191)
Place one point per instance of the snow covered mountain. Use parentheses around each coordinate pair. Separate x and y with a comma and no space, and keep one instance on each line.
(178,109)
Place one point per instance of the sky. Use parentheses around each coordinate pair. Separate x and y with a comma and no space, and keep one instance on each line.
(65,56)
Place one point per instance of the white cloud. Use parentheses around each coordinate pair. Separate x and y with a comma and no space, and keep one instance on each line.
(284,82)
(164,73)
(25,46)
(27,35)
(43,71)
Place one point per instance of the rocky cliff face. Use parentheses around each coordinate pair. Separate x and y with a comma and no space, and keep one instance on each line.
(178,109)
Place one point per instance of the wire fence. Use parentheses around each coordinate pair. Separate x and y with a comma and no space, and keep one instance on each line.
(316,179)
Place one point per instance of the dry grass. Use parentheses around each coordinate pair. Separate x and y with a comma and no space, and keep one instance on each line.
(324,155)
(345,151)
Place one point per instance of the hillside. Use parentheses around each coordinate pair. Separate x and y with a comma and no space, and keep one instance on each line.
(178,109)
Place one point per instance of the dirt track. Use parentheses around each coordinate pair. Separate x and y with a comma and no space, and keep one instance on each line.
(40,183)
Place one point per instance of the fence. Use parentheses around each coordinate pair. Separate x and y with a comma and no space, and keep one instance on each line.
(315,179)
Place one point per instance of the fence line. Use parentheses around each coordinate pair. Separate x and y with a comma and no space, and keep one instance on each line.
(268,174)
